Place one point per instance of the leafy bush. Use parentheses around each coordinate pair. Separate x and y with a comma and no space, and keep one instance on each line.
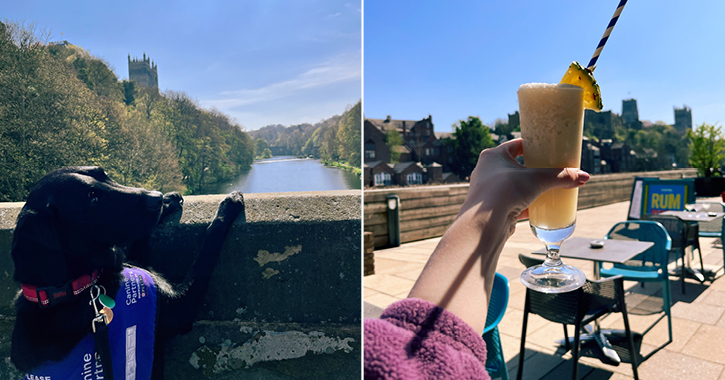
(707,148)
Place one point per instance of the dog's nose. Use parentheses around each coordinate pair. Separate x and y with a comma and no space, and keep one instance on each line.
(154,200)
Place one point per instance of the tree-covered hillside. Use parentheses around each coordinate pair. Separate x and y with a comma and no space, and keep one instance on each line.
(333,140)
(60,106)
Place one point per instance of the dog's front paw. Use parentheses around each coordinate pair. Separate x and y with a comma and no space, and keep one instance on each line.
(173,202)
(231,207)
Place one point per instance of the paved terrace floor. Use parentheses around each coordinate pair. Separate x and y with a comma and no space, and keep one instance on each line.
(698,317)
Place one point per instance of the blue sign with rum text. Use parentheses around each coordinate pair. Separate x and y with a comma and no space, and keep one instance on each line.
(651,196)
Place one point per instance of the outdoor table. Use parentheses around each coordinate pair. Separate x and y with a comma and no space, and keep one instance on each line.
(613,251)
(695,217)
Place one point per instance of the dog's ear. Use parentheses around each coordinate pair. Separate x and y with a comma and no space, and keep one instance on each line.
(36,249)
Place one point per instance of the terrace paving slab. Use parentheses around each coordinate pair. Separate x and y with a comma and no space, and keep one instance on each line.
(698,347)
(671,365)
(698,312)
(707,343)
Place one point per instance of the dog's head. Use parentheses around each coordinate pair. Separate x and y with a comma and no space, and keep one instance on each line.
(72,220)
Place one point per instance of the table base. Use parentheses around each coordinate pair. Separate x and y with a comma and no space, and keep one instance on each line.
(602,341)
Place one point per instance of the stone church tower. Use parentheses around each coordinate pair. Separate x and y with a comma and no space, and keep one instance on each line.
(144,72)
(683,118)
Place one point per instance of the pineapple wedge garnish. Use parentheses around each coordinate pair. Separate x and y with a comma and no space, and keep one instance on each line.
(582,77)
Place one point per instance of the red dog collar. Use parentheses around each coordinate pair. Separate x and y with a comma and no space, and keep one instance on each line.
(50,295)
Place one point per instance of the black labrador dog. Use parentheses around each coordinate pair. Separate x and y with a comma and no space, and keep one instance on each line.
(71,237)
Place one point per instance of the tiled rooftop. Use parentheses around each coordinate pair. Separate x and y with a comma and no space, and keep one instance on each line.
(698,316)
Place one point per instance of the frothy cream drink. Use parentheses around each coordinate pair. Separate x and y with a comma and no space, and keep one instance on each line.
(552,117)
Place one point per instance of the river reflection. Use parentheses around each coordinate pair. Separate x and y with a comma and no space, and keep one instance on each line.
(287,173)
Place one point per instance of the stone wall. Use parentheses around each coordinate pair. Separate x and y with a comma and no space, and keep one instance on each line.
(284,302)
(427,211)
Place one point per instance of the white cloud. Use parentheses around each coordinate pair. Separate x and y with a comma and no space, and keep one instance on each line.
(339,69)
(311,112)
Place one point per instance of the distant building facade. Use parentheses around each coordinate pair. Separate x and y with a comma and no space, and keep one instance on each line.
(601,124)
(375,147)
(423,157)
(591,157)
(143,71)
(683,119)
(630,114)
(419,139)
(378,173)
(63,43)
(514,119)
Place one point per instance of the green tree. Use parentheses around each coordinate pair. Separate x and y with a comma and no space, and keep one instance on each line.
(312,146)
(707,149)
(469,139)
(503,128)
(348,135)
(261,145)
(328,144)
(129,92)
(262,149)
(658,147)
(394,141)
(140,155)
(48,118)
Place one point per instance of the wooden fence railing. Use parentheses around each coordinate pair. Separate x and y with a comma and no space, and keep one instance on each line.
(427,211)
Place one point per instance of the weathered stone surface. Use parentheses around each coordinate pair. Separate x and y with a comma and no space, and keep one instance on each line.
(288,278)
(241,350)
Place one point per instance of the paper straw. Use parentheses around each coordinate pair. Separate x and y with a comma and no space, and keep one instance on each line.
(605,37)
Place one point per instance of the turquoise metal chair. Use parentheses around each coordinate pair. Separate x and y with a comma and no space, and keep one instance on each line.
(648,266)
(683,234)
(495,363)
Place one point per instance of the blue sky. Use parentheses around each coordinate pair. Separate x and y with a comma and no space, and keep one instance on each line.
(261,61)
(454,59)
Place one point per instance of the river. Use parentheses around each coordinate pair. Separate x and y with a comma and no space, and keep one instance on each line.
(287,173)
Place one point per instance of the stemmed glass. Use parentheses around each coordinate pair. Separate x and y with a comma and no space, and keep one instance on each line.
(553,276)
(551,118)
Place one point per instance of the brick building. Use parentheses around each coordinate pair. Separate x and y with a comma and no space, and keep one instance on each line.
(423,157)
(378,173)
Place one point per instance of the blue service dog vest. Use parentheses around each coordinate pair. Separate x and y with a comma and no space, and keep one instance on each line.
(131,333)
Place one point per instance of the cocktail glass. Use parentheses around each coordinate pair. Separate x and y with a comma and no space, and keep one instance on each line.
(551,118)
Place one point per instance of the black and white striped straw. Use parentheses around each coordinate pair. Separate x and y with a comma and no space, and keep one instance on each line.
(605,37)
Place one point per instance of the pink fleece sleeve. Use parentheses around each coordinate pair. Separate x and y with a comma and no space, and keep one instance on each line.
(415,339)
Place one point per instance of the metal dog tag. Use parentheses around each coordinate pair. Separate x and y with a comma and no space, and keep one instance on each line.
(108,313)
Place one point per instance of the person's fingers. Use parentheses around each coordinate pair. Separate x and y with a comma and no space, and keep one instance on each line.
(514,147)
(567,178)
(573,177)
(508,151)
